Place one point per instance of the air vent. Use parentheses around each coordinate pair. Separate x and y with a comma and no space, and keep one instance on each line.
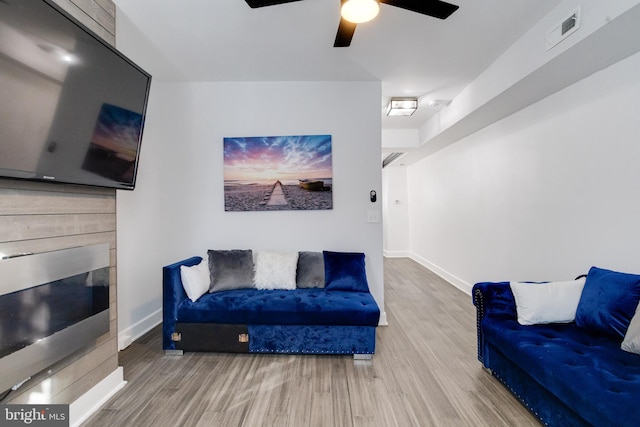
(563,30)
(390,158)
(569,24)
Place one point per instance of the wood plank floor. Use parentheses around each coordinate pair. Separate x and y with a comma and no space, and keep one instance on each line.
(424,373)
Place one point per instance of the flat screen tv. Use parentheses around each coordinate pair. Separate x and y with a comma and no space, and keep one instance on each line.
(72,108)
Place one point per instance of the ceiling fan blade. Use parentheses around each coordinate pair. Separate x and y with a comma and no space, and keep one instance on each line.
(262,3)
(345,33)
(436,8)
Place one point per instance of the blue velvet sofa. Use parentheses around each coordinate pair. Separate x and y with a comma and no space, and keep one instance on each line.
(299,321)
(564,373)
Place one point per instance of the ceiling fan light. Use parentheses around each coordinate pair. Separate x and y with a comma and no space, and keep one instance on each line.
(402,106)
(359,11)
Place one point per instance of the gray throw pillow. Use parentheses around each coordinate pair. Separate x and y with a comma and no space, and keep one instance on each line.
(631,341)
(310,272)
(230,269)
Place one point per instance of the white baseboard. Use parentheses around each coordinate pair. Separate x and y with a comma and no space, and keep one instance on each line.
(138,329)
(84,406)
(454,280)
(396,254)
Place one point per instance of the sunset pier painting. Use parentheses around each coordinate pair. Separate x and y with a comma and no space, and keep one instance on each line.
(278,173)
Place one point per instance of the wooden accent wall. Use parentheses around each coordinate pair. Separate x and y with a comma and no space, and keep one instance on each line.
(98,15)
(39,217)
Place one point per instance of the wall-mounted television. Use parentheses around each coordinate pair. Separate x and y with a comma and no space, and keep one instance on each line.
(72,108)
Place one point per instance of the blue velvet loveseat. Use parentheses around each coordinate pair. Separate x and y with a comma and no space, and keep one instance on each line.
(571,372)
(337,318)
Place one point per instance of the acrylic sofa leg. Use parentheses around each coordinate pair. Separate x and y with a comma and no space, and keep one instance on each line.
(362,356)
(173,352)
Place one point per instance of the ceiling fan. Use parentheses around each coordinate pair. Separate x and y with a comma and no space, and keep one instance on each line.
(435,8)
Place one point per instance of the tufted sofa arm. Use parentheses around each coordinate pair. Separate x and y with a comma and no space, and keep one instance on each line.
(173,295)
(493,299)
(497,299)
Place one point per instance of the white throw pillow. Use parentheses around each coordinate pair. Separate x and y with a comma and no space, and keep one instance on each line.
(275,270)
(552,302)
(631,341)
(196,279)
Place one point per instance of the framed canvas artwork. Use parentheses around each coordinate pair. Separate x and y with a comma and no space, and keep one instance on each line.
(267,173)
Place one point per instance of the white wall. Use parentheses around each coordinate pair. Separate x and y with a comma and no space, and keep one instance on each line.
(543,194)
(397,139)
(177,208)
(395,211)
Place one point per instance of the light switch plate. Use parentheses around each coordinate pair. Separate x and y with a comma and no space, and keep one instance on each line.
(373,215)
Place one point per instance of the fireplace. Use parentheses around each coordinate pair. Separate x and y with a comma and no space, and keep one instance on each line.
(52,304)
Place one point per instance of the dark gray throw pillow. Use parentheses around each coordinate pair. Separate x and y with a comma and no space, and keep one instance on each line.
(230,269)
(310,272)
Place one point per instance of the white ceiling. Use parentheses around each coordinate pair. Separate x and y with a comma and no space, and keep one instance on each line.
(411,54)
